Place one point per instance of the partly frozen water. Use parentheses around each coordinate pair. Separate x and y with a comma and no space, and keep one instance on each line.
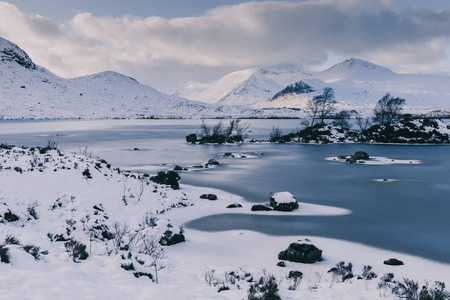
(409,213)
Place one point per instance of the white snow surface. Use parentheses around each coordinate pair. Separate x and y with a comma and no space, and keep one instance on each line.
(357,84)
(64,201)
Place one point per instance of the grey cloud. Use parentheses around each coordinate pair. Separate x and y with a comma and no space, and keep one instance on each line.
(166,52)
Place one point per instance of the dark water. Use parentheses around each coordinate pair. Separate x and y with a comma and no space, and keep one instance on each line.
(411,215)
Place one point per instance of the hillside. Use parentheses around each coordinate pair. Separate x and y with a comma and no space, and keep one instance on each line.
(28,91)
(248,87)
(357,84)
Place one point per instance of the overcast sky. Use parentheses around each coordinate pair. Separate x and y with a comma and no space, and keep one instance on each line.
(175,44)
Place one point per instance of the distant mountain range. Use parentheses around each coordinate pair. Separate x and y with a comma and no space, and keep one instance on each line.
(28,91)
(357,84)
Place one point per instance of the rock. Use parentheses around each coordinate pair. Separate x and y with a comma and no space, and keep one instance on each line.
(281,264)
(136,149)
(360,155)
(228,154)
(234,205)
(260,207)
(283,201)
(393,262)
(295,274)
(342,157)
(170,178)
(302,253)
(178,168)
(192,138)
(170,239)
(213,162)
(350,160)
(208,196)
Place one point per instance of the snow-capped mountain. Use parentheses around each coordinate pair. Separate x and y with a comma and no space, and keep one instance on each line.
(357,84)
(248,87)
(30,91)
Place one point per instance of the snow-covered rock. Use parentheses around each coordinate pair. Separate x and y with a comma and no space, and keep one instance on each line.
(283,201)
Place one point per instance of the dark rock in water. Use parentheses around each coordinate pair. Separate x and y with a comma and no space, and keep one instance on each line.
(281,264)
(192,138)
(283,201)
(228,154)
(295,274)
(342,157)
(234,205)
(213,162)
(178,168)
(260,207)
(360,155)
(393,262)
(198,167)
(208,196)
(361,162)
(302,253)
(136,149)
(350,160)
(385,179)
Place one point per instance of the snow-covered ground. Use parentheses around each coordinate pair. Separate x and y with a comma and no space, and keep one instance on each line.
(57,195)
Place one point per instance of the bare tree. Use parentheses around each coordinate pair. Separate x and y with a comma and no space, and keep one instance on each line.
(362,122)
(152,247)
(205,129)
(388,109)
(342,119)
(321,106)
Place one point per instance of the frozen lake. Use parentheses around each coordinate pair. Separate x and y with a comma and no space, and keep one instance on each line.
(410,215)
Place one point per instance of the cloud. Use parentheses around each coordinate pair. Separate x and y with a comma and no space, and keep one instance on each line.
(226,38)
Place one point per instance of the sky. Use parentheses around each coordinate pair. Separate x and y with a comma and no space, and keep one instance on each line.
(180,45)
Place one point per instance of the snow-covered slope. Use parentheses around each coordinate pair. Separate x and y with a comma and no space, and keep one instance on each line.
(30,91)
(357,84)
(248,87)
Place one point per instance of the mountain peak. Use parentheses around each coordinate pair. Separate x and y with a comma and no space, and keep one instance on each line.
(10,52)
(107,76)
(354,68)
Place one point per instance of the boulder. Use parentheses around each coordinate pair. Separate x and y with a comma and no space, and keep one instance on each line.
(208,196)
(342,157)
(260,207)
(360,155)
(192,138)
(393,262)
(302,253)
(213,162)
(234,205)
(295,274)
(170,239)
(178,168)
(283,201)
(281,264)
